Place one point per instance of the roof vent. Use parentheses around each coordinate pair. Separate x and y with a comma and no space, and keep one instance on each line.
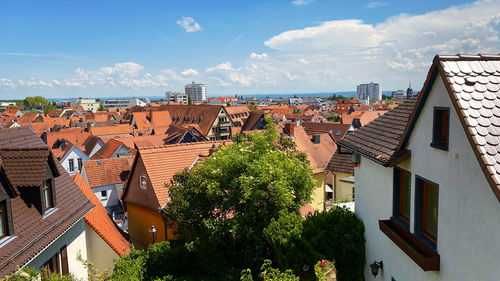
(99,162)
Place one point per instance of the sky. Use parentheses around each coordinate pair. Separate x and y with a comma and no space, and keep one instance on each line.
(65,49)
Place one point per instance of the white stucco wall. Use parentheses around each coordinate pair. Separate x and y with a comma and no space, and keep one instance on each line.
(74,154)
(98,146)
(112,198)
(75,241)
(468,211)
(121,151)
(98,251)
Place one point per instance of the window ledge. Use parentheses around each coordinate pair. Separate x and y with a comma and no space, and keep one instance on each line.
(6,240)
(440,146)
(49,212)
(416,250)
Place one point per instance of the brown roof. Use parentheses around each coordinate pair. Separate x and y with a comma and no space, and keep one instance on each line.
(162,163)
(238,114)
(100,222)
(379,139)
(107,171)
(341,162)
(337,129)
(89,144)
(33,233)
(318,154)
(252,119)
(203,115)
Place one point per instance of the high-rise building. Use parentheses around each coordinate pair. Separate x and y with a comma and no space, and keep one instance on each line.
(370,91)
(196,91)
(176,97)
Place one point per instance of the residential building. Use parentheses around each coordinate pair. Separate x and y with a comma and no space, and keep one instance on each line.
(114,104)
(318,148)
(138,102)
(92,144)
(399,94)
(256,121)
(86,104)
(176,97)
(370,91)
(42,209)
(113,148)
(341,170)
(336,129)
(145,194)
(106,178)
(105,242)
(427,182)
(196,91)
(72,158)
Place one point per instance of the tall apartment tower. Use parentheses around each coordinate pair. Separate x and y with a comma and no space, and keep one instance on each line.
(371,91)
(196,91)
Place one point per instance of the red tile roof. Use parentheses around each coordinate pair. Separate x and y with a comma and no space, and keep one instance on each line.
(112,130)
(100,222)
(318,154)
(107,171)
(108,149)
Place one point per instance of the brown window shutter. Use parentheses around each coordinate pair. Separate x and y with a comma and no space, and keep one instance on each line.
(64,261)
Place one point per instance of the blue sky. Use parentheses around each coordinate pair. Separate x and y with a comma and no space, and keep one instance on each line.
(139,48)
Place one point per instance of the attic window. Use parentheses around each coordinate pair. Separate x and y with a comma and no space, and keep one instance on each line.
(47,200)
(338,133)
(441,128)
(143,182)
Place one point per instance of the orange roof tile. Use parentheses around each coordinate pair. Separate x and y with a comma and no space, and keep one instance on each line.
(100,222)
(10,111)
(112,130)
(107,171)
(162,163)
(318,154)
(141,120)
(76,136)
(108,149)
(160,119)
(306,210)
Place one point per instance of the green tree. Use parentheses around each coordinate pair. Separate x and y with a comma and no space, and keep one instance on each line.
(36,101)
(101,107)
(252,106)
(269,273)
(48,108)
(190,102)
(225,203)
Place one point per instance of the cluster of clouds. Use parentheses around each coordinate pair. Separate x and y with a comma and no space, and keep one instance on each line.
(335,54)
(189,24)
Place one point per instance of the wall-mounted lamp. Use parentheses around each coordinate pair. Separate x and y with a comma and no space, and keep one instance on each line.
(152,232)
(375,266)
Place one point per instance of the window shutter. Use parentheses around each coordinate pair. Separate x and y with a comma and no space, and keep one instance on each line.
(64,261)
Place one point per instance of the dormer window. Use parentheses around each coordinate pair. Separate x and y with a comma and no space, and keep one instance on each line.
(3,219)
(441,128)
(47,201)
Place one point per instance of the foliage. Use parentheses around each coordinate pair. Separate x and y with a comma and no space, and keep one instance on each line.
(337,235)
(190,102)
(338,97)
(36,101)
(101,107)
(223,205)
(324,269)
(48,108)
(252,106)
(389,101)
(269,274)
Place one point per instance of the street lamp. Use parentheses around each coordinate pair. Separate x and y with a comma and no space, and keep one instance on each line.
(152,232)
(375,266)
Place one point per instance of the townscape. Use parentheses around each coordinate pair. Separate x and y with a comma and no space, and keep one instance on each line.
(193,184)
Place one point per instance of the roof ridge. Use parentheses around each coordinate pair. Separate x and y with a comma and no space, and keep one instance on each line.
(184,144)
(24,148)
(466,57)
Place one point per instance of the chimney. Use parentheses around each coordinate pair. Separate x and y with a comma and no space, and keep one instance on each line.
(290,127)
(212,149)
(63,144)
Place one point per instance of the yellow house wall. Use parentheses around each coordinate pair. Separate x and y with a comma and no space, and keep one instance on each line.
(318,196)
(342,190)
(98,251)
(140,221)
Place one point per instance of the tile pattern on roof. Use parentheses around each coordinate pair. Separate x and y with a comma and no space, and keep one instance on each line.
(337,129)
(474,86)
(341,162)
(33,233)
(25,167)
(380,138)
(99,220)
(107,171)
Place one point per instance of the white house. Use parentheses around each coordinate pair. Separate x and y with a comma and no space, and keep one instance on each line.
(427,182)
(41,208)
(73,159)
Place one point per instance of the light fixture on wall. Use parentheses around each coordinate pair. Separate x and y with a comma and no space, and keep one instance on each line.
(375,266)
(152,232)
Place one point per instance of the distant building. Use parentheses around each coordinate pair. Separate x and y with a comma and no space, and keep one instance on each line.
(138,102)
(399,94)
(87,104)
(370,91)
(196,91)
(114,104)
(176,97)
(409,91)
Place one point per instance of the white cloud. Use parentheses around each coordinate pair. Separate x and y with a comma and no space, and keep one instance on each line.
(189,72)
(375,4)
(301,2)
(342,53)
(189,24)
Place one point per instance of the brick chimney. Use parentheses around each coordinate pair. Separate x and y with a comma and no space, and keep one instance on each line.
(290,128)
